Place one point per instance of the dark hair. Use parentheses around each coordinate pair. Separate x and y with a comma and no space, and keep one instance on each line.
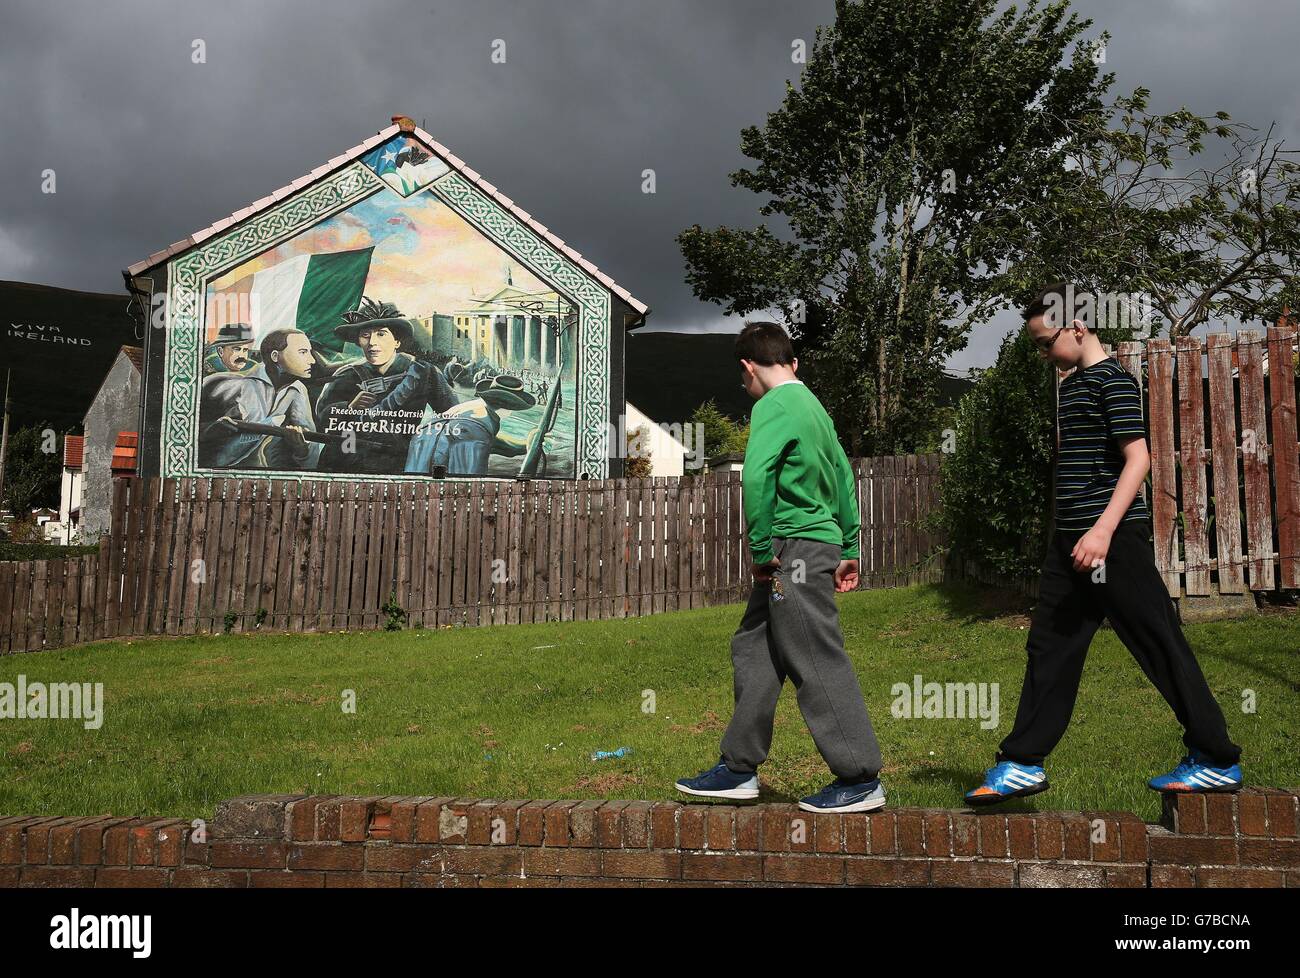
(1064,296)
(275,342)
(764,342)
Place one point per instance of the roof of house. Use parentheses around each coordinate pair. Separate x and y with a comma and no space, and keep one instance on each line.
(73,449)
(338,162)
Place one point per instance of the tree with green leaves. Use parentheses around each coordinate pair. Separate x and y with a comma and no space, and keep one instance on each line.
(898,166)
(32,469)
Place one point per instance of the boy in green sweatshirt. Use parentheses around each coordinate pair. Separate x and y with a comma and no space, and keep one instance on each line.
(801,515)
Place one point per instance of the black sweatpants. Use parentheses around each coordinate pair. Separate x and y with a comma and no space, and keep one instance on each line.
(1071,606)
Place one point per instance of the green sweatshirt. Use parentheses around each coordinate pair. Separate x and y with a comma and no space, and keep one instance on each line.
(797,481)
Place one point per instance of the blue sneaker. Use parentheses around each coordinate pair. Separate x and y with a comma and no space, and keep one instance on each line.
(846,796)
(720,781)
(1008,780)
(1193,774)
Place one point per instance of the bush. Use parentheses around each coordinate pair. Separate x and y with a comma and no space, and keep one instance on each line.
(996,485)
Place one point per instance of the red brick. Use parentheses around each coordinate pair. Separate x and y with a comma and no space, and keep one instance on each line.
(828,832)
(1020,837)
(938,835)
(329,818)
(247,855)
(1058,875)
(749,829)
(883,841)
(690,827)
(171,842)
(144,842)
(1133,840)
(857,833)
(484,860)
(301,817)
(1281,814)
(1252,814)
(993,836)
(57,876)
(402,819)
(1128,877)
(557,823)
(636,825)
(117,844)
(428,817)
(1171,877)
(1210,876)
(362,881)
(478,825)
(326,855)
(418,858)
(90,840)
(887,872)
(1049,830)
(720,827)
(1188,813)
(532,822)
(965,834)
(663,824)
(63,838)
(283,880)
(546,861)
(629,864)
(582,823)
(968,873)
(1077,830)
(777,821)
(721,866)
(1104,833)
(192,877)
(11,844)
(503,823)
(791,868)
(138,878)
(1219,814)
(1193,850)
(354,818)
(1284,853)
(609,824)
(911,833)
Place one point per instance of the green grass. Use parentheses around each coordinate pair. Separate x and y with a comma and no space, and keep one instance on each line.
(515,711)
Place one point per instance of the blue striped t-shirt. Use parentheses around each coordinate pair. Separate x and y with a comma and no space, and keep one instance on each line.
(1098,405)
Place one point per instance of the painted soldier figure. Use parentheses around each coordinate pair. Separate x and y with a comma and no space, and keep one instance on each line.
(271,394)
(463,438)
(230,350)
(363,397)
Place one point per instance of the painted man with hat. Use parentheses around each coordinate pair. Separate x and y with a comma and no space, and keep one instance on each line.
(360,397)
(230,350)
(463,438)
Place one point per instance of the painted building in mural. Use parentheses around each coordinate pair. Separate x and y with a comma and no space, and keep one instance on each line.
(389,316)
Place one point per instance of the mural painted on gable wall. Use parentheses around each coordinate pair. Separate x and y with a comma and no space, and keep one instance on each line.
(391,338)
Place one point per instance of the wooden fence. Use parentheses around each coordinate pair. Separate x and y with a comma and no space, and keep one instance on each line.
(1223,520)
(210,555)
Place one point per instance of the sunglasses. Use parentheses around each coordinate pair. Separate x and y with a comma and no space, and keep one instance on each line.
(1045,345)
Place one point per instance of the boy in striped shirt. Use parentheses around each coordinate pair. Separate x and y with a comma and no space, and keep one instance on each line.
(1099,565)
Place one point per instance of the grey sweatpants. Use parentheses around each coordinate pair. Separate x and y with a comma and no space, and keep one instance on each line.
(798,635)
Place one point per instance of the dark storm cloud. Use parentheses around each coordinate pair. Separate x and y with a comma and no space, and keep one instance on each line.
(149,147)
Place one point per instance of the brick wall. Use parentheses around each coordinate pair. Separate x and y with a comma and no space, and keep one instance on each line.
(1249,839)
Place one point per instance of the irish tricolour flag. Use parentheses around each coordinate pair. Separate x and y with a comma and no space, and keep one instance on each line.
(307,292)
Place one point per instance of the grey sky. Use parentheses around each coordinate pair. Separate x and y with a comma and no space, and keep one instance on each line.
(149,147)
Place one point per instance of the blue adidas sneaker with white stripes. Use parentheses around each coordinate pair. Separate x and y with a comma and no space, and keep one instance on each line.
(1008,780)
(1193,774)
